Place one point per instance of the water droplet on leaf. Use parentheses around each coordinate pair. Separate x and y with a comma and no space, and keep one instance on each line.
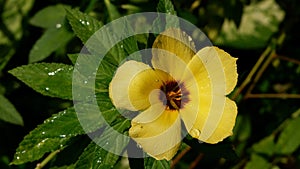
(58,25)
(51,73)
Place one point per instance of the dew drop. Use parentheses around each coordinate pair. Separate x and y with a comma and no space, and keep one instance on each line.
(99,161)
(199,141)
(195,133)
(121,46)
(85,82)
(107,143)
(87,23)
(47,88)
(24,151)
(43,141)
(43,132)
(51,73)
(58,25)
(62,136)
(18,158)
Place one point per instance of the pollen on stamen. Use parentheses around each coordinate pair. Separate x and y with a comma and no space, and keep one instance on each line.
(174,95)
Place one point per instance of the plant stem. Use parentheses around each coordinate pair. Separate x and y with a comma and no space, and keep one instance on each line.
(260,72)
(274,95)
(179,157)
(252,72)
(47,159)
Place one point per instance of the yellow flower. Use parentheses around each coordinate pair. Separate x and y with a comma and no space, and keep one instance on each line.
(180,86)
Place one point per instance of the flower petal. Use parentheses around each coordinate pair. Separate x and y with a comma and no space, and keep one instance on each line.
(172,50)
(214,121)
(118,88)
(210,125)
(230,69)
(161,137)
(226,123)
(208,79)
(143,84)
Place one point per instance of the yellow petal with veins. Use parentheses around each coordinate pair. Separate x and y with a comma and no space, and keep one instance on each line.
(226,123)
(161,136)
(211,78)
(174,41)
(143,84)
(118,88)
(230,69)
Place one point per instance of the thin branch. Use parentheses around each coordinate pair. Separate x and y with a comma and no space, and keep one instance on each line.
(47,159)
(288,59)
(179,156)
(196,161)
(260,72)
(252,72)
(274,95)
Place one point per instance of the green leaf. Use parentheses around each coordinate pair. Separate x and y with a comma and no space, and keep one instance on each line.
(151,163)
(257,162)
(73,57)
(52,135)
(50,79)
(12,18)
(102,152)
(112,10)
(256,27)
(8,112)
(265,146)
(54,15)
(105,40)
(83,25)
(166,6)
(12,27)
(64,167)
(89,116)
(6,53)
(289,139)
(51,40)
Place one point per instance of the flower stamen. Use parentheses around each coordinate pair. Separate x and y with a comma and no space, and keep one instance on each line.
(173,93)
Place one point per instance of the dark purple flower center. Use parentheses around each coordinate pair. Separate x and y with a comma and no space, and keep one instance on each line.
(174,95)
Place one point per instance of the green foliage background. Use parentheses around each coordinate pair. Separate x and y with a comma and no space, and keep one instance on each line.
(39,42)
